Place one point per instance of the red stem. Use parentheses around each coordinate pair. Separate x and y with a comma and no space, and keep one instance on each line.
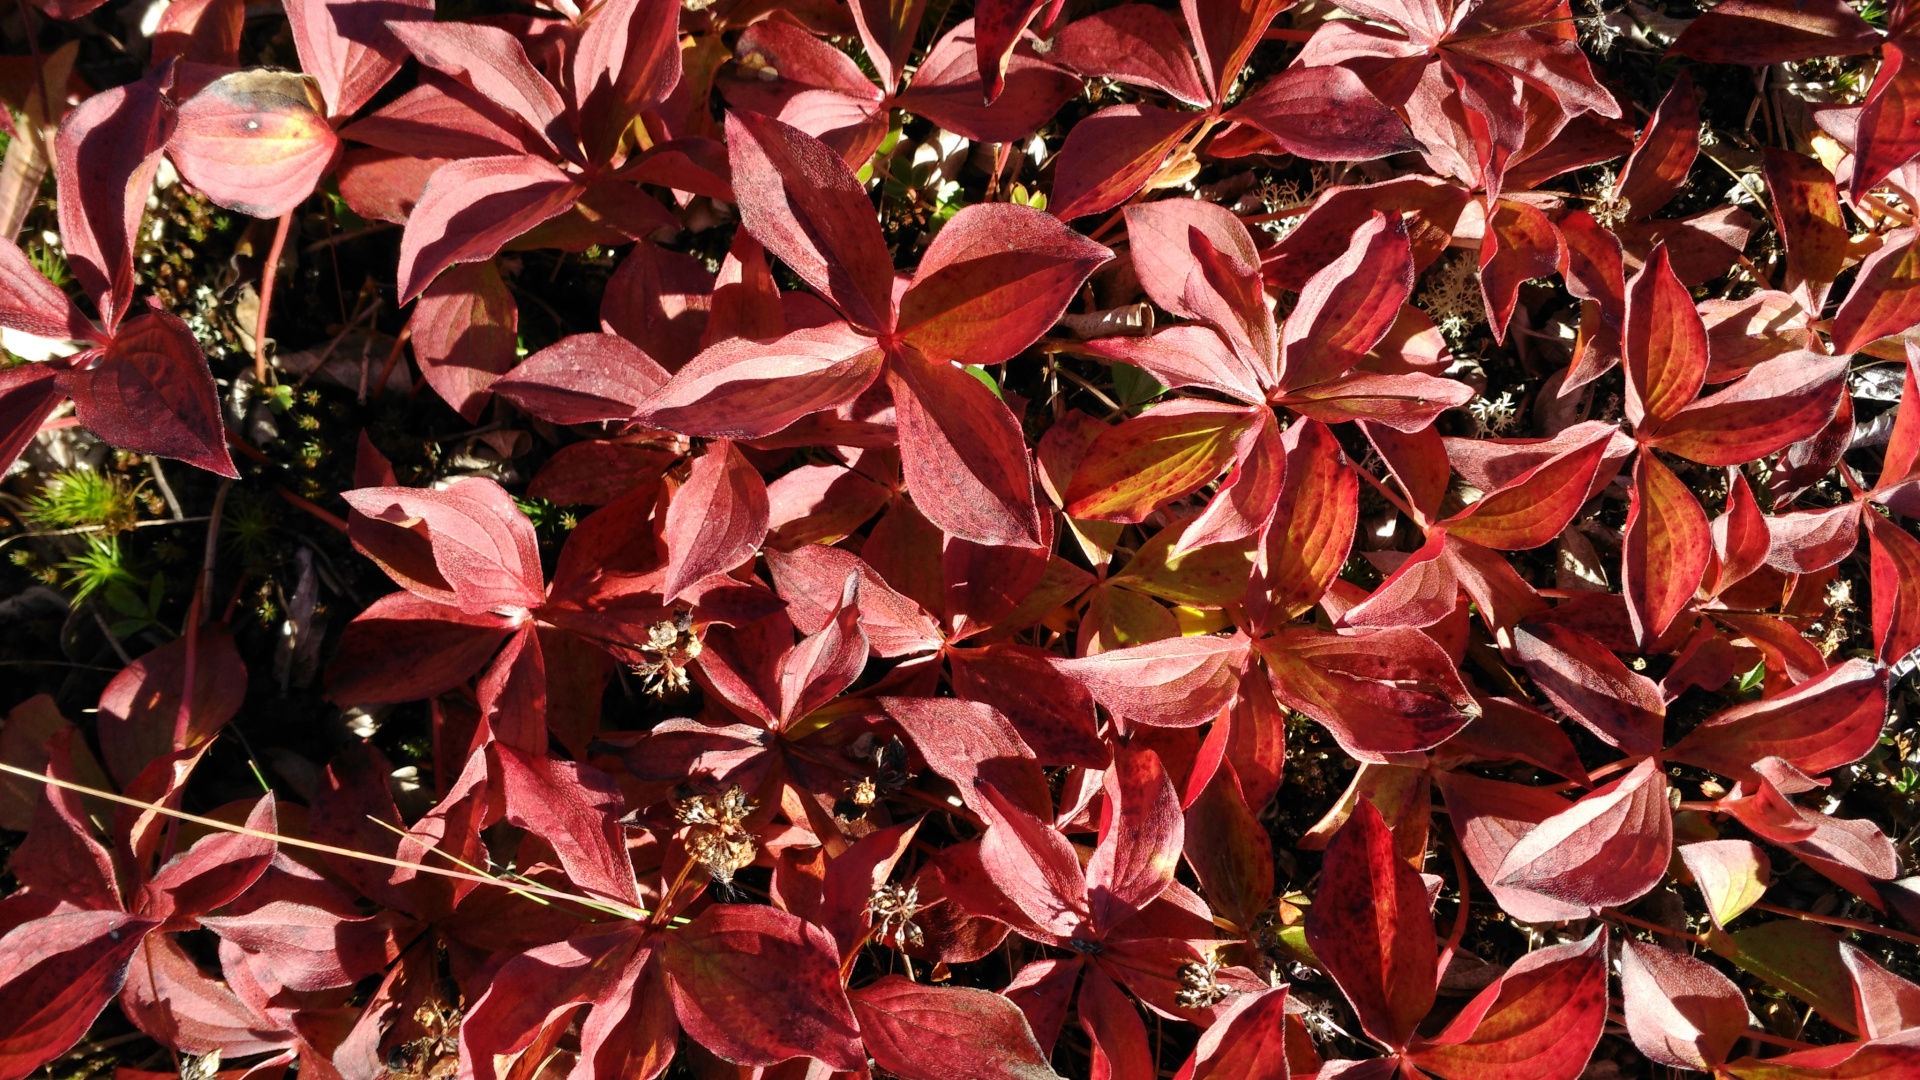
(268,273)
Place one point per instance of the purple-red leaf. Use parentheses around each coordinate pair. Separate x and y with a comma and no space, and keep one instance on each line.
(963,455)
(716,521)
(757,986)
(946,1033)
(800,200)
(583,379)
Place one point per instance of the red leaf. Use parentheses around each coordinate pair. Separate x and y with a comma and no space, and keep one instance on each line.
(1179,682)
(105,157)
(1110,156)
(140,708)
(1229,850)
(474,207)
(948,91)
(1313,523)
(1610,847)
(1054,716)
(1886,1003)
(150,391)
(1136,44)
(583,379)
(823,665)
(963,455)
(1247,1041)
(211,873)
(1740,535)
(1680,1011)
(60,858)
(1885,298)
(32,304)
(1119,1039)
(1371,926)
(1539,1021)
(482,553)
(1807,541)
(1223,35)
(493,62)
(627,61)
(1165,453)
(1775,32)
(740,389)
(1347,307)
(254,142)
(1378,692)
(1187,356)
(1033,868)
(1821,724)
(994,279)
(1668,545)
(1894,559)
(821,224)
(998,25)
(1141,836)
(1591,685)
(1780,401)
(1806,212)
(716,521)
(1198,261)
(1323,114)
(1884,135)
(946,1033)
(1531,509)
(1658,166)
(746,301)
(973,746)
(576,809)
(1406,402)
(402,648)
(887,29)
(465,331)
(347,47)
(1665,345)
(757,986)
(56,975)
(1520,244)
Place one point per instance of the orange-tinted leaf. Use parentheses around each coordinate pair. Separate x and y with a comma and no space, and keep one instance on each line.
(1665,345)
(1530,510)
(994,279)
(254,141)
(1164,454)
(1539,1021)
(1668,546)
(1818,725)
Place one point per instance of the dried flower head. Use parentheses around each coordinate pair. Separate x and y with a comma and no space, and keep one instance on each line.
(675,645)
(718,839)
(1200,985)
(892,908)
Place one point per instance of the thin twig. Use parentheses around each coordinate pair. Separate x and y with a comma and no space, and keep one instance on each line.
(166,489)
